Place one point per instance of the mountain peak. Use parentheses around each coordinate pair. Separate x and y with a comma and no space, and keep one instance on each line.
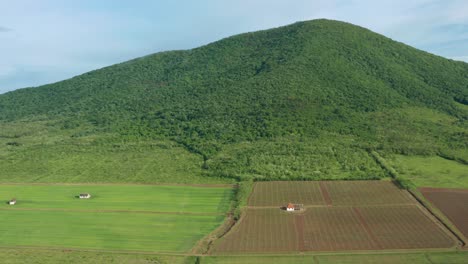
(306,79)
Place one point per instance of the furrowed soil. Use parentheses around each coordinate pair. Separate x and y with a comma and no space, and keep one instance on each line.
(453,203)
(338,216)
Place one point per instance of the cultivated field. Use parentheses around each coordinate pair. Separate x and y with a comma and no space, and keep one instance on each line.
(359,193)
(140,218)
(453,203)
(362,258)
(365,215)
(276,193)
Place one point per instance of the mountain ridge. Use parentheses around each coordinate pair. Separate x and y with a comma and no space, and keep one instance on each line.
(305,84)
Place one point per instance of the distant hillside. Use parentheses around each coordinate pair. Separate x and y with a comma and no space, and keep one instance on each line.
(308,100)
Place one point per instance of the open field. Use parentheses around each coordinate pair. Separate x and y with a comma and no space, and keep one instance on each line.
(116,218)
(453,203)
(359,193)
(456,257)
(154,198)
(41,256)
(339,193)
(116,231)
(432,171)
(276,193)
(334,229)
(361,216)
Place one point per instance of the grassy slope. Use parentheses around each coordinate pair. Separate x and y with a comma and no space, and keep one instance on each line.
(432,171)
(126,197)
(43,153)
(313,82)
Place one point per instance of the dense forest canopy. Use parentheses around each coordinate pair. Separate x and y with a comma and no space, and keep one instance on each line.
(305,101)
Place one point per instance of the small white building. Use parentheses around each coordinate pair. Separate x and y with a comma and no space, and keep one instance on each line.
(12,201)
(290,207)
(85,195)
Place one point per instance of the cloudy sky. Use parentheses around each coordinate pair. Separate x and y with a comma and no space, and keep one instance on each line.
(50,40)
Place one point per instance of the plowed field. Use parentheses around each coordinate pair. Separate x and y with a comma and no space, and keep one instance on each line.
(338,216)
(453,203)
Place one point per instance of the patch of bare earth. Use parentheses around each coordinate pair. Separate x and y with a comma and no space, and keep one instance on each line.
(453,203)
(338,216)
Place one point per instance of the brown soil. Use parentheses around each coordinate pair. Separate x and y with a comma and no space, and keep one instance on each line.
(453,203)
(364,224)
(339,216)
(299,223)
(325,194)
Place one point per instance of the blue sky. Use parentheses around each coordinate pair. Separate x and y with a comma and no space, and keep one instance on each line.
(50,40)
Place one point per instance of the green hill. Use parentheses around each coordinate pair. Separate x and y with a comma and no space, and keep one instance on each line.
(304,101)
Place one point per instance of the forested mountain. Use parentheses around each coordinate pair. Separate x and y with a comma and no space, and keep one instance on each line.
(308,100)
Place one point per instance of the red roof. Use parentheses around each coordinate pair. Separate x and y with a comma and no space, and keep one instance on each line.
(290,205)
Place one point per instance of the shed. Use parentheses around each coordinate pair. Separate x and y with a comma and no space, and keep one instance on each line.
(294,207)
(85,195)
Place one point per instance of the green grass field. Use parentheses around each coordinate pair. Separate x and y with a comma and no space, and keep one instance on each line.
(40,256)
(112,231)
(185,199)
(50,216)
(432,171)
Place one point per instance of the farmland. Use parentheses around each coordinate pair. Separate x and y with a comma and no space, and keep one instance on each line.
(433,171)
(365,215)
(152,198)
(276,193)
(453,203)
(139,218)
(363,258)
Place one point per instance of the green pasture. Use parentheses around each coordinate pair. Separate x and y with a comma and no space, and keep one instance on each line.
(159,218)
(113,231)
(41,256)
(184,199)
(431,171)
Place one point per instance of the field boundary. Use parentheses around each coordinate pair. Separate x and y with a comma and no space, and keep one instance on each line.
(450,190)
(251,193)
(204,244)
